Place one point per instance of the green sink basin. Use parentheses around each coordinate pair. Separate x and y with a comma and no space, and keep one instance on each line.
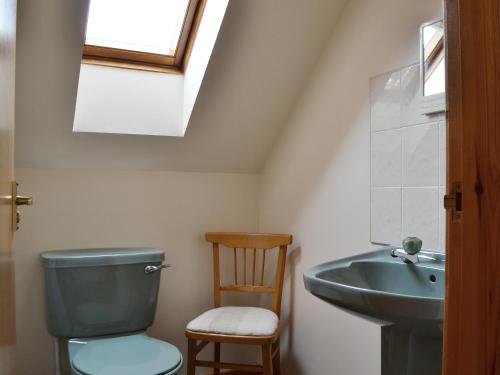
(406,299)
(381,287)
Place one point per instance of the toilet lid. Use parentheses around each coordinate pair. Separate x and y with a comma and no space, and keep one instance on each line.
(127,355)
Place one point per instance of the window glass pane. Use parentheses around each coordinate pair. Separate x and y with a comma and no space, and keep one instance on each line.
(152,26)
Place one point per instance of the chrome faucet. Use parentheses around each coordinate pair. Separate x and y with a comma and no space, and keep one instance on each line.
(404,256)
(410,250)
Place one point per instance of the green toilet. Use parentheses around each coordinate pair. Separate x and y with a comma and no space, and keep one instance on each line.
(102,301)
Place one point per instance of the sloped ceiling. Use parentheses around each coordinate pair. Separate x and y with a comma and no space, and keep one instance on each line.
(264,53)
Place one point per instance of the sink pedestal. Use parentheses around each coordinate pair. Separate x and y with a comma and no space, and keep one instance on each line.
(411,351)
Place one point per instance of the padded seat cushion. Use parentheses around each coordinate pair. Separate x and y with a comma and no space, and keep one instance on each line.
(236,321)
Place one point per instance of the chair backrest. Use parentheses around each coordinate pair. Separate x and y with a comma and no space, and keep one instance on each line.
(243,243)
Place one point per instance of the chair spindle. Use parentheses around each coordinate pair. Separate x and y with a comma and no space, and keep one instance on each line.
(253,268)
(263,266)
(244,266)
(235,267)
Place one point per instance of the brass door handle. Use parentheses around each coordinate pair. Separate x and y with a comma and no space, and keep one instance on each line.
(18,200)
(23,201)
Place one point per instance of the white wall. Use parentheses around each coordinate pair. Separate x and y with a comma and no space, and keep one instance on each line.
(316,183)
(206,36)
(86,208)
(126,101)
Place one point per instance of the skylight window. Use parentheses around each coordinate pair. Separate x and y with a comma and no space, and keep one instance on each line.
(141,34)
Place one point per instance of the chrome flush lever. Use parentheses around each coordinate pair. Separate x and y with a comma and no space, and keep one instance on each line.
(151,269)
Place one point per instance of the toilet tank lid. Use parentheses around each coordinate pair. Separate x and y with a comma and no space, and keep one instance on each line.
(101,257)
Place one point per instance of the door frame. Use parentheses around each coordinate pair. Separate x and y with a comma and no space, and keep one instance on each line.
(472,312)
(7,110)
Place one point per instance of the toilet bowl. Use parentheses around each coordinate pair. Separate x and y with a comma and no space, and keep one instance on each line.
(131,354)
(103,300)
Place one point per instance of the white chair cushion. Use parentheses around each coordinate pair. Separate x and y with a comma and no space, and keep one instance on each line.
(237,321)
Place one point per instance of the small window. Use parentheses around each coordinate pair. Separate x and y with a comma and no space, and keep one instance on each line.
(141,34)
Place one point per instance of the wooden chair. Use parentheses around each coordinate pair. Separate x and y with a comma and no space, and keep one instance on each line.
(234,325)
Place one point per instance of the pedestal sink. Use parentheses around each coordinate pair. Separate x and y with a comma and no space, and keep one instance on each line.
(407,300)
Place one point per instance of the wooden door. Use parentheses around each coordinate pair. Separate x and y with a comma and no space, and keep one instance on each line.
(7,75)
(472,322)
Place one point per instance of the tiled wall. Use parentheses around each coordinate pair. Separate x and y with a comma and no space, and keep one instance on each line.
(407,162)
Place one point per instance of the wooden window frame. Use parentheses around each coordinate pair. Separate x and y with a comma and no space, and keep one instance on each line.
(122,58)
(435,56)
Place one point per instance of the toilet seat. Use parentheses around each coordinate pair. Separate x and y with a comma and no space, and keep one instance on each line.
(136,354)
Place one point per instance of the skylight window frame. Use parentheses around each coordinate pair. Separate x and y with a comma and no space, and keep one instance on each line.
(122,58)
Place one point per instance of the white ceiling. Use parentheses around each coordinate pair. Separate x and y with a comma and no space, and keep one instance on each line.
(261,60)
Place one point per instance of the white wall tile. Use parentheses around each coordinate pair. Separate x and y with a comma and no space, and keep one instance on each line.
(420,155)
(386,215)
(386,158)
(411,95)
(411,170)
(442,153)
(442,221)
(385,94)
(420,215)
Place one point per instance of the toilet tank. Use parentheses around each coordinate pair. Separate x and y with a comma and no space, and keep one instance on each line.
(95,292)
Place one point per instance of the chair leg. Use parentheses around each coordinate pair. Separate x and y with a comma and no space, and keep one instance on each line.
(276,359)
(267,364)
(216,357)
(191,368)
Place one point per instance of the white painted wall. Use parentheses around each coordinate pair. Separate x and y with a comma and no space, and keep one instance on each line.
(88,208)
(208,30)
(126,101)
(316,183)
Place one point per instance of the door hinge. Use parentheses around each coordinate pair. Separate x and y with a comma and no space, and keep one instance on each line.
(453,201)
